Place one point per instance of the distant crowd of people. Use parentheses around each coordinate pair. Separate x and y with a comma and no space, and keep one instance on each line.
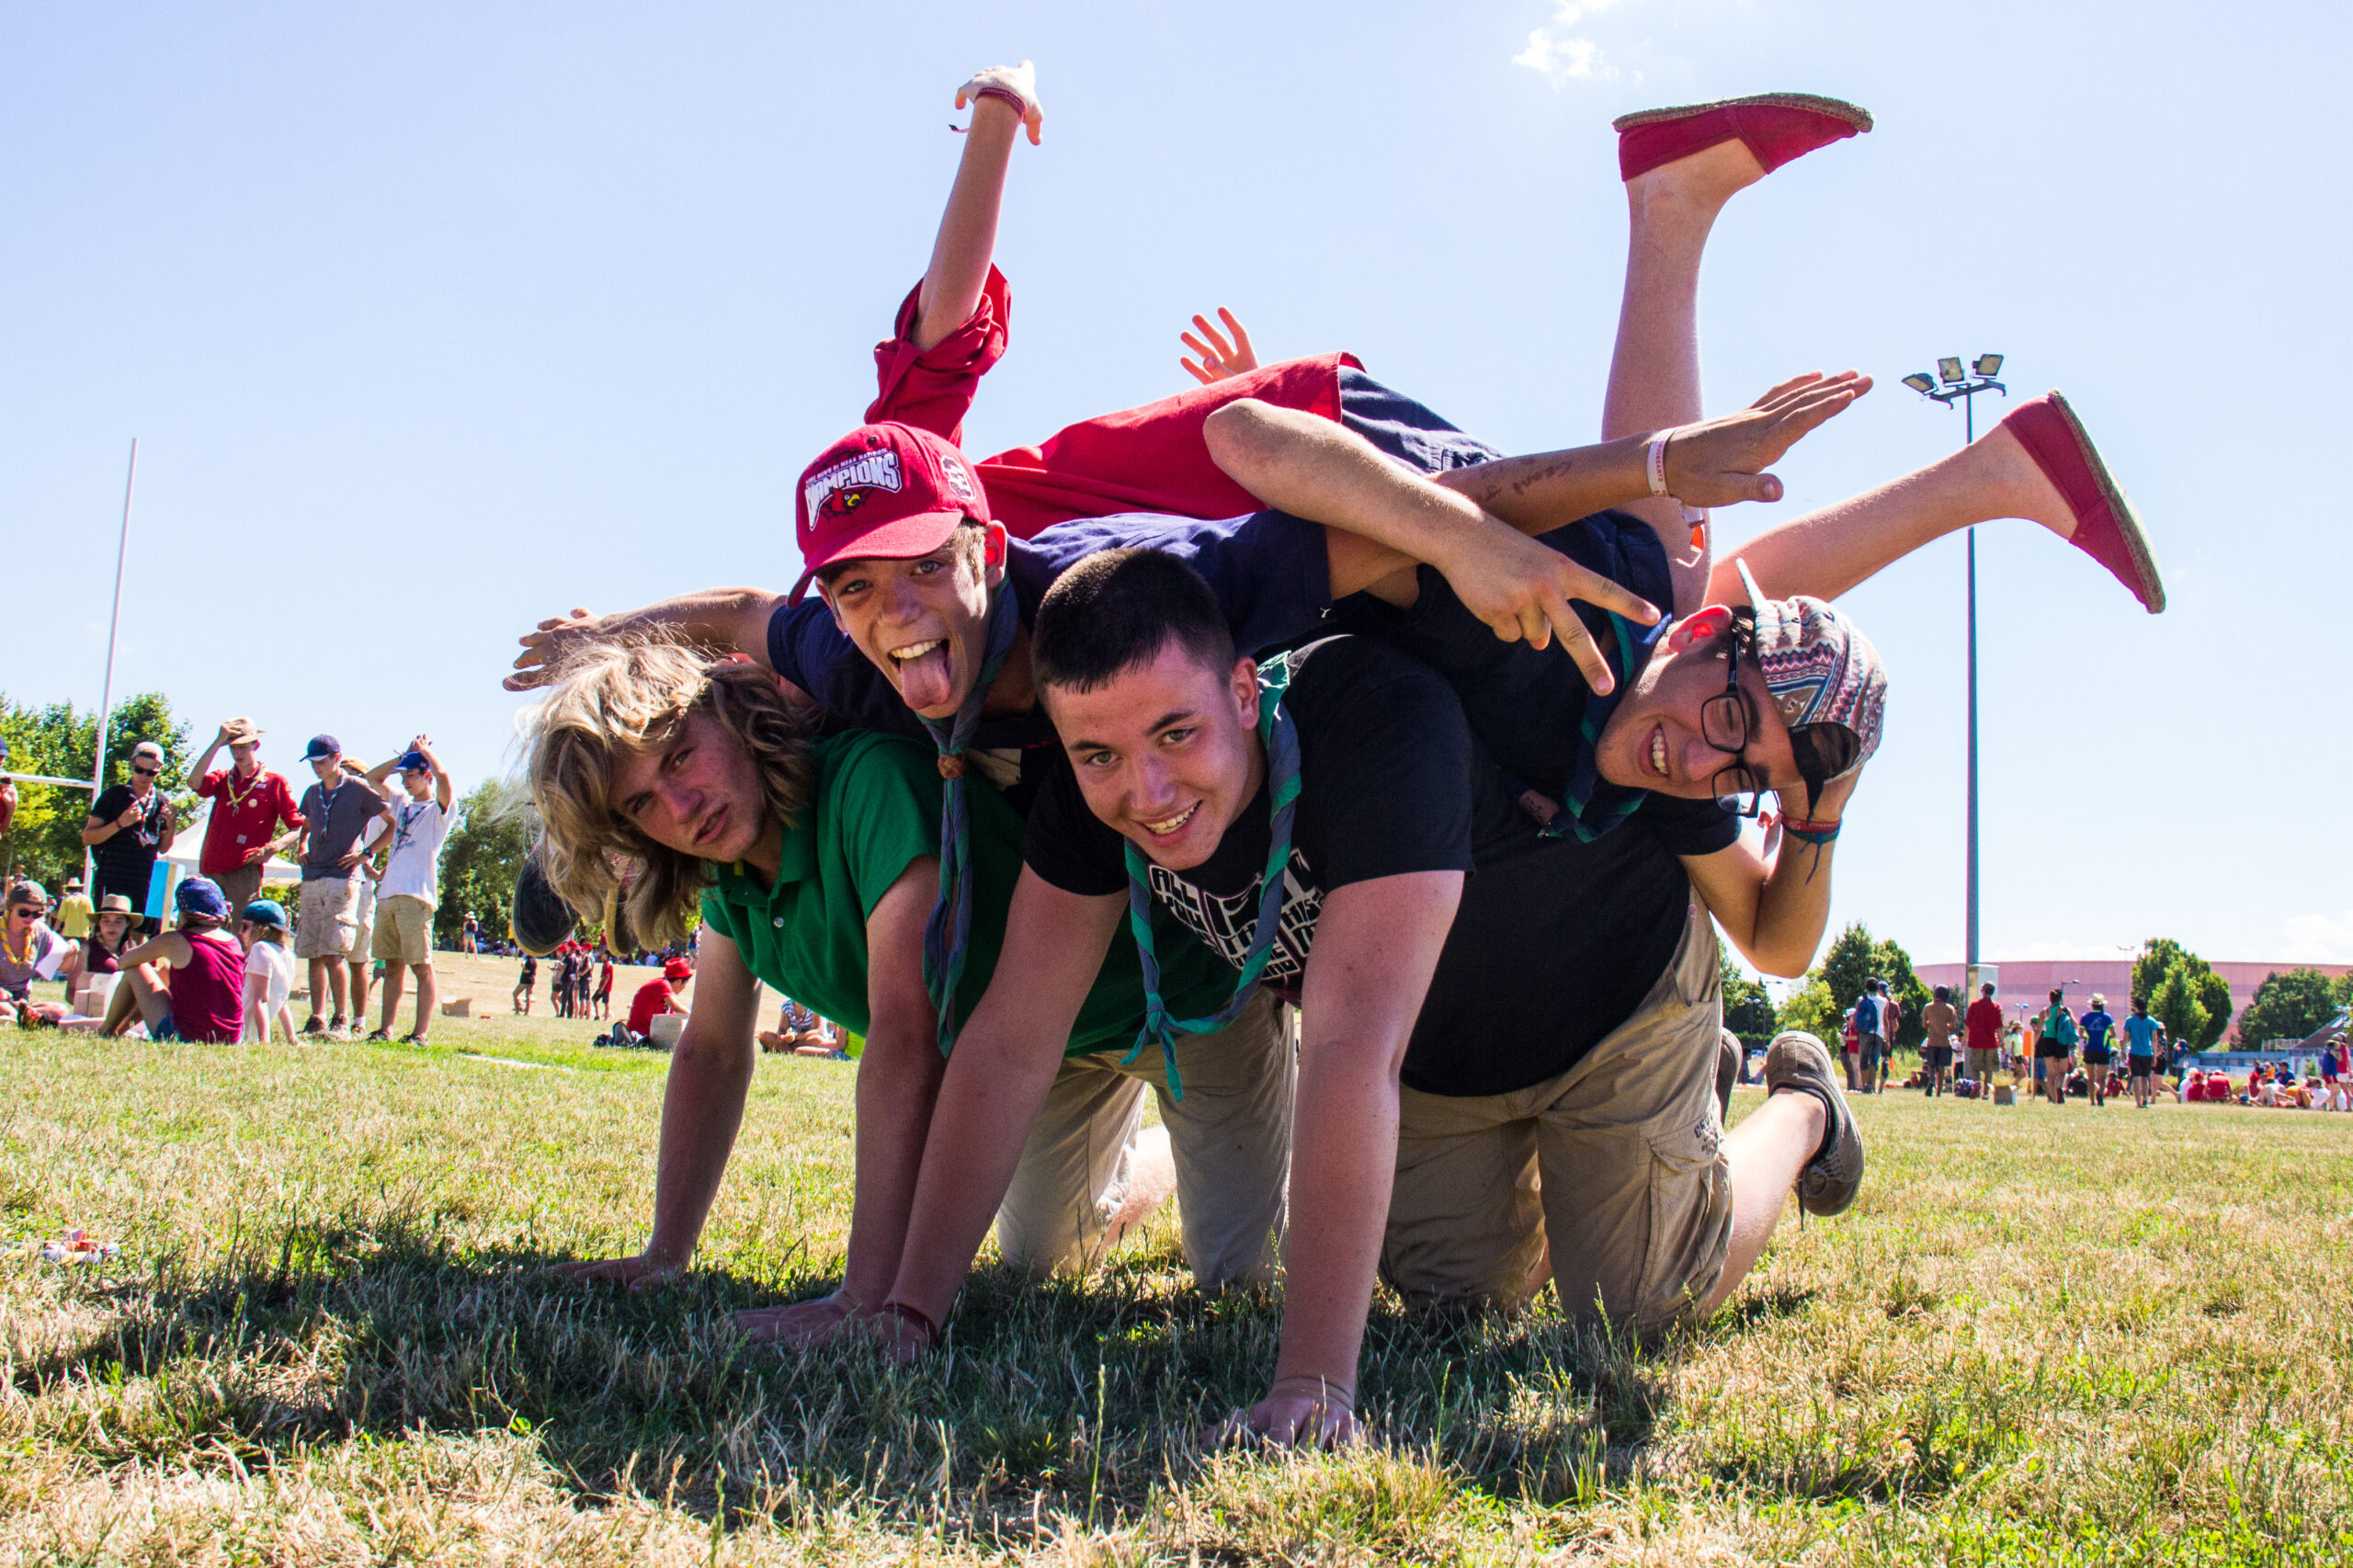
(370,856)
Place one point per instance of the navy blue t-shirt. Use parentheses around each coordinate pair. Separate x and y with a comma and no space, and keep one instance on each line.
(1270,572)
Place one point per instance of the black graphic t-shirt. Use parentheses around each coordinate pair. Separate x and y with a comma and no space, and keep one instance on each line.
(1391,783)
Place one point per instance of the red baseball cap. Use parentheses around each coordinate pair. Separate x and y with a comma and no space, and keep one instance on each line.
(891,492)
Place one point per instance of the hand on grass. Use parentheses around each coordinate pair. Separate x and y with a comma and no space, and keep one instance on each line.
(1298,1412)
(642,1272)
(1020,81)
(545,647)
(803,1324)
(1219,358)
(1719,462)
(1521,588)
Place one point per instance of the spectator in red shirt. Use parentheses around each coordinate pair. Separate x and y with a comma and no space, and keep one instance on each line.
(1984,1023)
(248,803)
(657,997)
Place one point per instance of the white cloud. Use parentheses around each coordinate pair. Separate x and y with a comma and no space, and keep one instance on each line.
(1553,51)
(2319,939)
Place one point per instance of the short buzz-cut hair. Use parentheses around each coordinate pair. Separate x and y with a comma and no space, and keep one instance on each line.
(1116,609)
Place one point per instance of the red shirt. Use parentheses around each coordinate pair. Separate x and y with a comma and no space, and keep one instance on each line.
(1984,1024)
(653,996)
(246,814)
(1152,459)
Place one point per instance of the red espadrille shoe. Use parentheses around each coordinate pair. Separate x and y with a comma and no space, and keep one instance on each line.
(1777,127)
(2106,528)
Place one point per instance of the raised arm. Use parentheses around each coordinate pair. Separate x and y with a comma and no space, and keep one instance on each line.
(1003,99)
(702,1110)
(725,620)
(1005,1059)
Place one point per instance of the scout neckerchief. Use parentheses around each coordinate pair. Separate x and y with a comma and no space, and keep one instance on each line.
(1594,805)
(1280,737)
(948,931)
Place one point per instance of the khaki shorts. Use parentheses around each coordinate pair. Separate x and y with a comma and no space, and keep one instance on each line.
(404,930)
(1983,1064)
(1618,1163)
(325,925)
(363,918)
(1230,1134)
(240,886)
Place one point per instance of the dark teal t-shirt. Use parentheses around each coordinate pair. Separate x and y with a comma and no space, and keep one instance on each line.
(874,810)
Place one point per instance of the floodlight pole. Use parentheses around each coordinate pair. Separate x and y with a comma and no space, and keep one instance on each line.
(106,693)
(1965,393)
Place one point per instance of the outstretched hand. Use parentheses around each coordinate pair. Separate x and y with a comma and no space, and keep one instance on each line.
(1521,588)
(1014,81)
(643,1272)
(1719,462)
(803,1324)
(545,647)
(1298,1412)
(1219,356)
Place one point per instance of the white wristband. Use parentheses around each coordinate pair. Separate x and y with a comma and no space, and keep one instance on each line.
(1656,464)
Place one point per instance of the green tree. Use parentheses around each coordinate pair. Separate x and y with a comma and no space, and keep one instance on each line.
(1748,1012)
(2341,989)
(1852,960)
(45,841)
(2287,1006)
(2160,956)
(1809,1007)
(2175,1003)
(481,857)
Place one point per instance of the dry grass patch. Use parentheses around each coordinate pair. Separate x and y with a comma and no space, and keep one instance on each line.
(2044,1334)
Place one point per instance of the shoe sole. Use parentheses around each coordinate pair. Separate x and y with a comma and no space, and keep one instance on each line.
(2119,506)
(1836,109)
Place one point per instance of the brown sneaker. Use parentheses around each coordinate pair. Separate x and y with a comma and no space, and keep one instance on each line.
(1799,1061)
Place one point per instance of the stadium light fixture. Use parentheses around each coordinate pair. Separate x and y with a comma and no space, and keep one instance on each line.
(1950,369)
(1921,381)
(1988,365)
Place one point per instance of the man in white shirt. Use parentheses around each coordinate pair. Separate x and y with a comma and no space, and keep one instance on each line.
(409,889)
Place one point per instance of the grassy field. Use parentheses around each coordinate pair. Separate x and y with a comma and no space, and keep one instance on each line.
(2043,1336)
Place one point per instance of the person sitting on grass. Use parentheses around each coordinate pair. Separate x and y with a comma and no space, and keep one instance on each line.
(270,971)
(30,951)
(799,1031)
(202,998)
(110,932)
(657,997)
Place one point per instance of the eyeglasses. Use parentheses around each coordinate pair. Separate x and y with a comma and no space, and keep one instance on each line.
(26,911)
(1726,722)
(145,772)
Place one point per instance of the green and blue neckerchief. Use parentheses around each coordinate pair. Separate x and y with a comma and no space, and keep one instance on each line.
(1593,806)
(948,930)
(1280,737)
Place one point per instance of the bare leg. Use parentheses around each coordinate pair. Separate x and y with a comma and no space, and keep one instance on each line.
(358,968)
(1654,368)
(391,995)
(1766,1152)
(428,993)
(1152,1176)
(121,1004)
(1826,552)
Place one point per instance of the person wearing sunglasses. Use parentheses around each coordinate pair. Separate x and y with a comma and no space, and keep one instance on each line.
(29,950)
(129,825)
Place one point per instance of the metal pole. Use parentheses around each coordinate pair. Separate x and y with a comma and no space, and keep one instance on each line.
(106,694)
(1968,936)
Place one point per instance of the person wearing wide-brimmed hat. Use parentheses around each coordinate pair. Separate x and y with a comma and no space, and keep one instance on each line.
(112,926)
(29,950)
(249,802)
(71,914)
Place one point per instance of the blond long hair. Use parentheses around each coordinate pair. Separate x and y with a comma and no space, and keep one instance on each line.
(625,697)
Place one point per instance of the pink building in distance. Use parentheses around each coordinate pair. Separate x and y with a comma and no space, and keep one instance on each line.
(2026,982)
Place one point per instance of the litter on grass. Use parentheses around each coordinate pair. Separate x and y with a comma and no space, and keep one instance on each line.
(79,1246)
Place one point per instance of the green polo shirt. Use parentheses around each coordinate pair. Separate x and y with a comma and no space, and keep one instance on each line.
(874,810)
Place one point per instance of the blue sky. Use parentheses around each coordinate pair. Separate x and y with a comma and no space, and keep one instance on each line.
(434,319)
